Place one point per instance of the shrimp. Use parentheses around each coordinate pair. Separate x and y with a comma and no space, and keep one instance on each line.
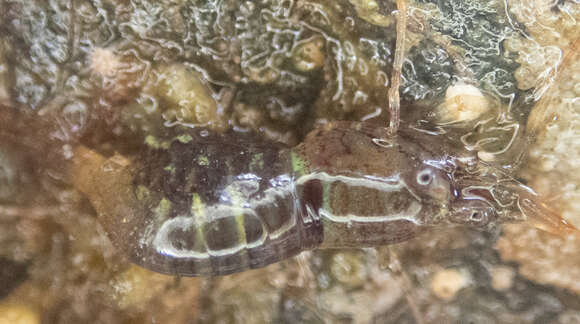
(207,204)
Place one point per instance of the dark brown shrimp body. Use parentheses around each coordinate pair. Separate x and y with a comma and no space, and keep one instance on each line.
(201,205)
(214,204)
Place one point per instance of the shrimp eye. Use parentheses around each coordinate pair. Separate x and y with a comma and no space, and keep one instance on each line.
(476,216)
(424,177)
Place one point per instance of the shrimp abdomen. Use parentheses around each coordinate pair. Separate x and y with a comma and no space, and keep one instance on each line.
(201,205)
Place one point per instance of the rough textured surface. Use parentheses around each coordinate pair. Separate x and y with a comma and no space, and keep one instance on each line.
(555,154)
(537,251)
(97,71)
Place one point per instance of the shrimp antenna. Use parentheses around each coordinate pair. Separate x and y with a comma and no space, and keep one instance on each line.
(394,98)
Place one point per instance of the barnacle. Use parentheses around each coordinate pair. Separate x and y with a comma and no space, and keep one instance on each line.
(187,99)
(464,103)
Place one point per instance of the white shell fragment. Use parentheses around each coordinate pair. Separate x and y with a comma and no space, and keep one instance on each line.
(447,282)
(464,102)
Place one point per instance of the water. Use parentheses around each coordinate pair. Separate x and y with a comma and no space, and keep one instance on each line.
(99,71)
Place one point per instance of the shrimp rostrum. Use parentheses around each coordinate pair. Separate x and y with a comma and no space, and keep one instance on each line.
(214,204)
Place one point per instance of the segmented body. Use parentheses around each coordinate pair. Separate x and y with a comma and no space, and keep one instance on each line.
(220,204)
(214,204)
